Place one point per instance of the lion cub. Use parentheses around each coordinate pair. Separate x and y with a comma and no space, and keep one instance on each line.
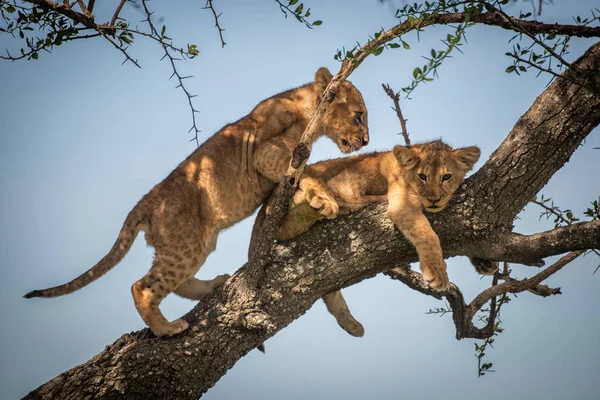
(214,188)
(412,179)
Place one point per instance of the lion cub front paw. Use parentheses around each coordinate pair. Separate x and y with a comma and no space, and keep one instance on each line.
(327,206)
(434,272)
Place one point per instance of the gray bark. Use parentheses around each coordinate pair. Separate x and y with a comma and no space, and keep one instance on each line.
(336,254)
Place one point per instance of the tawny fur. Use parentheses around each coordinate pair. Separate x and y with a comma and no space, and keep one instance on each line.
(212,190)
(412,179)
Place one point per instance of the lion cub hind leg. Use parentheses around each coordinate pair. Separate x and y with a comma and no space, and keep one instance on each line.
(168,272)
(196,289)
(336,305)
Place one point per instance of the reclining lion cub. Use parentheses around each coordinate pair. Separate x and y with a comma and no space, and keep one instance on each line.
(214,188)
(412,179)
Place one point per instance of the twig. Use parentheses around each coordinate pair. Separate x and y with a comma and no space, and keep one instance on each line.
(175,72)
(117,12)
(521,28)
(396,99)
(547,70)
(127,56)
(520,286)
(538,290)
(209,5)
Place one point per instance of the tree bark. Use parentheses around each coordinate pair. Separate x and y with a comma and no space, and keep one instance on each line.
(336,254)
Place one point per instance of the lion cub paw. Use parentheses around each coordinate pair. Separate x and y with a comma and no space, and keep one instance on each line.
(435,274)
(326,206)
(483,266)
(171,329)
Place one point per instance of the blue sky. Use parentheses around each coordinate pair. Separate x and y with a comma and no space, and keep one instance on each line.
(84,138)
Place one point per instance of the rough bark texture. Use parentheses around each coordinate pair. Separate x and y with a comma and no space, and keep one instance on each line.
(335,254)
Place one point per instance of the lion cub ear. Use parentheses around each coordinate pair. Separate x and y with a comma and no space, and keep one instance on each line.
(322,79)
(467,157)
(405,156)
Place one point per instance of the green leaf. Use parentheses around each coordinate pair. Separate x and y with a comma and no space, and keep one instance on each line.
(378,51)
(405,45)
(193,50)
(10,9)
(163,30)
(393,45)
(34,56)
(417,71)
(299,9)
(292,2)
(317,22)
(510,69)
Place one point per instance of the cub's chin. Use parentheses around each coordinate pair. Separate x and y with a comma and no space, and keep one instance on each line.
(433,209)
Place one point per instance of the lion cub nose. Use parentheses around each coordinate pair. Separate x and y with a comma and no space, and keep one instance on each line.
(433,201)
(365,141)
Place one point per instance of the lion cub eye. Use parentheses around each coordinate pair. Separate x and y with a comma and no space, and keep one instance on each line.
(423,177)
(358,116)
(446,177)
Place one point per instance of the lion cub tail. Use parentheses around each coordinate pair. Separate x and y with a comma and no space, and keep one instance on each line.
(126,237)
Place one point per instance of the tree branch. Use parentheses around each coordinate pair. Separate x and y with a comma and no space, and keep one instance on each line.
(209,5)
(530,249)
(396,99)
(520,286)
(117,12)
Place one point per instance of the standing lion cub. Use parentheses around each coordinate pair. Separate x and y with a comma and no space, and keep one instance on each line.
(219,184)
(412,179)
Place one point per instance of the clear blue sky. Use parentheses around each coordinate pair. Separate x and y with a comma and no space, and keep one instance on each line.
(84,138)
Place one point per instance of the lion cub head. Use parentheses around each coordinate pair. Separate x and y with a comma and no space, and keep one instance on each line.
(434,170)
(345,120)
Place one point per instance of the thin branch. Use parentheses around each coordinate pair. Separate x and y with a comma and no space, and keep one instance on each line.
(65,9)
(175,72)
(85,10)
(117,12)
(395,96)
(127,56)
(90,6)
(547,70)
(209,5)
(538,290)
(462,314)
(517,23)
(520,286)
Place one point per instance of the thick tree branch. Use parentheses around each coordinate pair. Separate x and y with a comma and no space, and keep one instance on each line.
(530,249)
